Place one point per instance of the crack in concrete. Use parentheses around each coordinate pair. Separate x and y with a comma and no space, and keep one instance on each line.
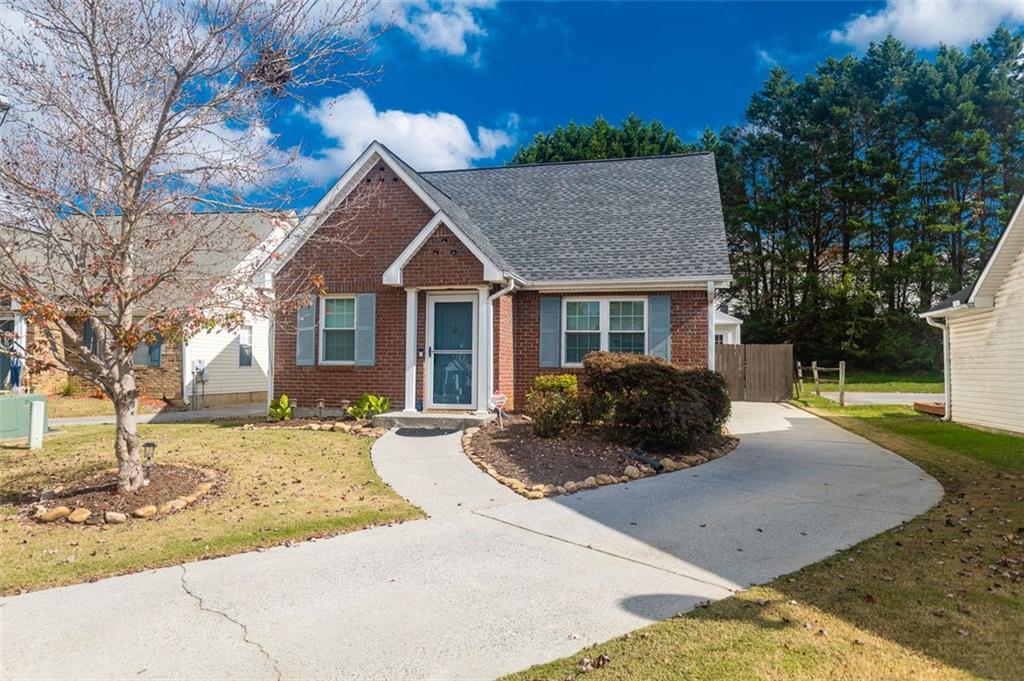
(718,585)
(245,630)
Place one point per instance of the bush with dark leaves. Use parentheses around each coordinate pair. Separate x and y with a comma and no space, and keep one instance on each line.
(553,403)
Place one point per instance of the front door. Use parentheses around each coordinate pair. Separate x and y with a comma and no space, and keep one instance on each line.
(451,341)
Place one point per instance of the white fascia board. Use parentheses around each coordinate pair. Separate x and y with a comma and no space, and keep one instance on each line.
(666,284)
(986,301)
(393,274)
(341,189)
(726,318)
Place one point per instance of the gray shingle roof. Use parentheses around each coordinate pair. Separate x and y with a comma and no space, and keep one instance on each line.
(640,218)
(960,296)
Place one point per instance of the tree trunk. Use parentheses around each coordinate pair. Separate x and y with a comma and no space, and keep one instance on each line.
(127,445)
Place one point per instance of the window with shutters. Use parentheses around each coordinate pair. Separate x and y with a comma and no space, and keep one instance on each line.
(612,324)
(148,354)
(338,330)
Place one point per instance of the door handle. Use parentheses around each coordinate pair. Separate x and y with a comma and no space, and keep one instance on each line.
(430,351)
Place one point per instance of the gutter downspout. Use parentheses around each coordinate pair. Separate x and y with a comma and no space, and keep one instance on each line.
(948,412)
(490,320)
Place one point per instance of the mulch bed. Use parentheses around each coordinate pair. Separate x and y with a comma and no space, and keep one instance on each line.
(99,492)
(580,453)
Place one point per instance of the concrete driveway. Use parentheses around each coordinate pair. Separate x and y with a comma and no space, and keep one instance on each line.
(491,583)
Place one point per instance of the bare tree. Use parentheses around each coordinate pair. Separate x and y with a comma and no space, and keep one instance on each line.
(134,119)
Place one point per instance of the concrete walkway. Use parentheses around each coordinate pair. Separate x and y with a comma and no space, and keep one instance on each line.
(234,411)
(491,583)
(886,398)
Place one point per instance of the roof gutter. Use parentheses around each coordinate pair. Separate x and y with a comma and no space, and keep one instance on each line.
(948,406)
(490,336)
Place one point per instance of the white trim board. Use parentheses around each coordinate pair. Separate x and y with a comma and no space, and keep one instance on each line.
(987,300)
(393,274)
(428,364)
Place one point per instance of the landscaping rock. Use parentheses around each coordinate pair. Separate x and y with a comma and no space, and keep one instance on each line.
(202,488)
(536,488)
(590,482)
(164,508)
(377,432)
(535,494)
(178,503)
(560,490)
(342,427)
(668,464)
(145,511)
(115,518)
(571,486)
(313,426)
(55,514)
(470,432)
(605,479)
(548,490)
(631,472)
(94,519)
(79,515)
(624,478)
(693,460)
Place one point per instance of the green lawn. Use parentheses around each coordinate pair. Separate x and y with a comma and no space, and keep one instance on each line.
(280,485)
(942,597)
(880,382)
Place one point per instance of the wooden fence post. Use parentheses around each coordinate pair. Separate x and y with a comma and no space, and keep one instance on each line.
(799,380)
(842,383)
(814,372)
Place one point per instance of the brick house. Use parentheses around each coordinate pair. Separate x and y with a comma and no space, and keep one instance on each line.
(440,288)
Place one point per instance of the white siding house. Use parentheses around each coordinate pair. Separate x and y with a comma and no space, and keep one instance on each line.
(237,364)
(983,336)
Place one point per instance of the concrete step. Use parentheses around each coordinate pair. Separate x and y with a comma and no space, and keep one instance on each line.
(441,420)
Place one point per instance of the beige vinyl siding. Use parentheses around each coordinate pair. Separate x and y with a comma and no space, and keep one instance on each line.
(220,350)
(987,357)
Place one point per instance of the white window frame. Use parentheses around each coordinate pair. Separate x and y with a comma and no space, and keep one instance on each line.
(324,329)
(604,325)
(241,344)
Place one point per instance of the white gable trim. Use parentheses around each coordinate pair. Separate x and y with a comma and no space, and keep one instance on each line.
(393,274)
(1003,250)
(341,189)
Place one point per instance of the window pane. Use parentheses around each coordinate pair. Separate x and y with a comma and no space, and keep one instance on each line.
(626,315)
(340,313)
(582,316)
(245,335)
(339,346)
(626,342)
(245,355)
(578,345)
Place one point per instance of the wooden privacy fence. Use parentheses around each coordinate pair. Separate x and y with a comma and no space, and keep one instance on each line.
(756,373)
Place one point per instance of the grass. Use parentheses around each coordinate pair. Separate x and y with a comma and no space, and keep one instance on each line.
(880,382)
(66,407)
(941,597)
(280,485)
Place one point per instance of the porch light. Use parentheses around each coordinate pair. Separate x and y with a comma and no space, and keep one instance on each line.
(148,449)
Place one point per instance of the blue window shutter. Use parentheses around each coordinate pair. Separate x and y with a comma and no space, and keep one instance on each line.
(89,336)
(659,327)
(154,351)
(305,335)
(550,331)
(366,329)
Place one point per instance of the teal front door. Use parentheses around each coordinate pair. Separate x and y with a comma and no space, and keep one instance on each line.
(451,352)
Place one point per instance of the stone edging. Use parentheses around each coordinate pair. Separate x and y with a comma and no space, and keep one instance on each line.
(629,473)
(87,517)
(361,428)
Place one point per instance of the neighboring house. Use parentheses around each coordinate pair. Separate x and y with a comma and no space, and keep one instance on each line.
(237,362)
(465,282)
(983,339)
(727,329)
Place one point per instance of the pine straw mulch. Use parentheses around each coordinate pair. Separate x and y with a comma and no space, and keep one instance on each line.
(579,453)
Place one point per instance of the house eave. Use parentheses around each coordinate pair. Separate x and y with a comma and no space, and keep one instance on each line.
(639,284)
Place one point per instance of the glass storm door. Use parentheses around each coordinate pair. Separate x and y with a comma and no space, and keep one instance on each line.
(451,353)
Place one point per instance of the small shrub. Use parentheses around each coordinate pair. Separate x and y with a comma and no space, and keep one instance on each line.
(68,389)
(369,405)
(553,403)
(711,387)
(281,409)
(648,402)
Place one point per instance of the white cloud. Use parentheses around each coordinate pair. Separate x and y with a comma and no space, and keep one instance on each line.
(427,141)
(765,58)
(443,26)
(926,23)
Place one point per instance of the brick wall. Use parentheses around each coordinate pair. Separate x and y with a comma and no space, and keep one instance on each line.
(443,259)
(689,318)
(504,348)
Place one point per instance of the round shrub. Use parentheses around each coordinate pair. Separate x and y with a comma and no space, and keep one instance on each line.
(552,404)
(649,402)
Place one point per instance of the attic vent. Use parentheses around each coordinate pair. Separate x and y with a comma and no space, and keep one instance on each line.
(437,252)
(454,252)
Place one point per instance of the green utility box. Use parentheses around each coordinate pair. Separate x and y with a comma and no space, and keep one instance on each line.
(15,411)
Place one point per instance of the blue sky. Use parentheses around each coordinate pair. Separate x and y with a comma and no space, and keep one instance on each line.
(464,83)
